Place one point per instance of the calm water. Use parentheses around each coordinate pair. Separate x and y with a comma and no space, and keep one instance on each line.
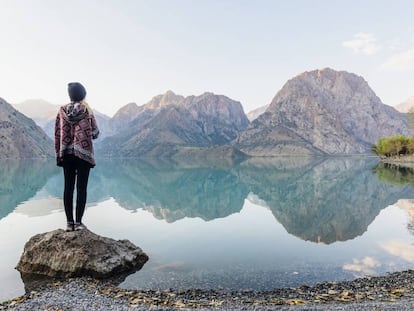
(257,224)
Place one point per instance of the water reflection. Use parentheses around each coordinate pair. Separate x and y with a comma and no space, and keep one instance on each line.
(176,191)
(327,201)
(20,180)
(395,174)
(322,200)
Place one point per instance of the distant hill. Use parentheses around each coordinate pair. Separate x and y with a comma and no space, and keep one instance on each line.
(39,110)
(44,114)
(406,105)
(20,137)
(256,112)
(322,112)
(169,122)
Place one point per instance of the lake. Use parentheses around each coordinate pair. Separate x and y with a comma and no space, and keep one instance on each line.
(259,224)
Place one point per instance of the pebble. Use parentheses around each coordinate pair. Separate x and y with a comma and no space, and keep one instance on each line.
(391,292)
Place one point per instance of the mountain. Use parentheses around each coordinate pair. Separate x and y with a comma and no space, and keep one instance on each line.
(125,115)
(170,123)
(323,199)
(322,112)
(256,112)
(44,114)
(141,114)
(20,137)
(39,110)
(406,105)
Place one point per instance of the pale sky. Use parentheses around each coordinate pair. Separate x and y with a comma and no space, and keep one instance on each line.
(129,51)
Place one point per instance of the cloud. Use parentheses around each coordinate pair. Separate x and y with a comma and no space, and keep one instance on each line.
(403,61)
(363,43)
(365,265)
(400,249)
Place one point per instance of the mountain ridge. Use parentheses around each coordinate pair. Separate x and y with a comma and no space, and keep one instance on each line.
(170,122)
(335,112)
(20,136)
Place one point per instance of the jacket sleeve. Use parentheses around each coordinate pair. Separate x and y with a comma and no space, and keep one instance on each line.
(57,134)
(94,127)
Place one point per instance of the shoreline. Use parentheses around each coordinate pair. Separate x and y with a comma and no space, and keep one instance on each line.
(407,161)
(90,294)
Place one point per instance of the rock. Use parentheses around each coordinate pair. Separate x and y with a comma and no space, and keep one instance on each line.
(79,253)
(322,112)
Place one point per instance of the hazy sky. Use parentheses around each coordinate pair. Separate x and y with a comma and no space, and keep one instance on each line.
(129,51)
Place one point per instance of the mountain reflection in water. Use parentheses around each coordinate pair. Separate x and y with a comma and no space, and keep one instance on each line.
(319,200)
(20,180)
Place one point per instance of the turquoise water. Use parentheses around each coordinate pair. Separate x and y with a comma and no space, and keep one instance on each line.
(259,224)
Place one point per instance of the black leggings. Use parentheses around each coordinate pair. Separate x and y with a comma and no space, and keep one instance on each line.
(75,169)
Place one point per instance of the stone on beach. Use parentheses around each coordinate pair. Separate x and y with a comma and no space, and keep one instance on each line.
(79,253)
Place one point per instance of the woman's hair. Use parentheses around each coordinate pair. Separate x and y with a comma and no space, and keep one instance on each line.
(77,92)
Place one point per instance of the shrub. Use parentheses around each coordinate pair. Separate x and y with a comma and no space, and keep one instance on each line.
(394,146)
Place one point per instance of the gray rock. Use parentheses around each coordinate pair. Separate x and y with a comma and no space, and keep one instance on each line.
(322,112)
(79,253)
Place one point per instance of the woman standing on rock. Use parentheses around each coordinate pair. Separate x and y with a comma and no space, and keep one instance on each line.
(75,128)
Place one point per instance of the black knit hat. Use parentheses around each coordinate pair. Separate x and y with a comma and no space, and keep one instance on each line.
(77,91)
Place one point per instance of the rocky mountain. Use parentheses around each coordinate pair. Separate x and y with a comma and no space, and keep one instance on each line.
(44,114)
(20,137)
(170,122)
(256,112)
(406,106)
(141,114)
(322,112)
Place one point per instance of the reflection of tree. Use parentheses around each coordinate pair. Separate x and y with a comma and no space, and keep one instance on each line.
(331,201)
(394,174)
(20,180)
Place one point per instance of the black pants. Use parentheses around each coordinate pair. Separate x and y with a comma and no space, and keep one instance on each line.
(75,169)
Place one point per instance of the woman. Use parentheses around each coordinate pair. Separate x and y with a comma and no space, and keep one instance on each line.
(75,128)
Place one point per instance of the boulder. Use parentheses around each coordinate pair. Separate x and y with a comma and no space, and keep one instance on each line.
(79,253)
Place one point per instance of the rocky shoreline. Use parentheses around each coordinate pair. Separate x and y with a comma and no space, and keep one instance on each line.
(390,292)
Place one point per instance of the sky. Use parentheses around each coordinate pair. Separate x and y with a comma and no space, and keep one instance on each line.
(132,50)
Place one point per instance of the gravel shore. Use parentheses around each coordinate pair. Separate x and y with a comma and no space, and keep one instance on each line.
(391,292)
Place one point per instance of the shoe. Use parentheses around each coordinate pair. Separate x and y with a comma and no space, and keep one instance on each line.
(70,226)
(79,226)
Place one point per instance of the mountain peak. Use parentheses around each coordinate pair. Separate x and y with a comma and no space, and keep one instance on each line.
(169,93)
(326,73)
(160,101)
(335,112)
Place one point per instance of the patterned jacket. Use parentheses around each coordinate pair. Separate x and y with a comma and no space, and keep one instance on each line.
(75,128)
